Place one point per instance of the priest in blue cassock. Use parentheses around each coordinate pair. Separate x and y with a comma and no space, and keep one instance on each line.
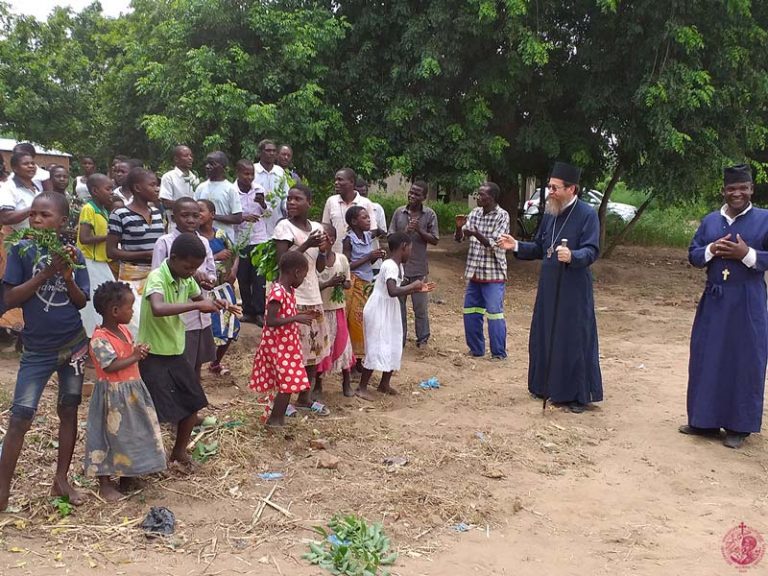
(729,340)
(574,374)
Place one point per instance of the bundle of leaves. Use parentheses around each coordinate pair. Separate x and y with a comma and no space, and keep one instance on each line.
(62,505)
(337,295)
(46,243)
(351,548)
(264,259)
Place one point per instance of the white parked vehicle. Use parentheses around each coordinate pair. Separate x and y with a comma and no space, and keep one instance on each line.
(594,197)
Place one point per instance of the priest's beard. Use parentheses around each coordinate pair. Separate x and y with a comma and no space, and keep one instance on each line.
(554,206)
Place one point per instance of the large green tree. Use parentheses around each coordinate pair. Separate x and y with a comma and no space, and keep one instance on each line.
(225,74)
(661,95)
(51,77)
(457,91)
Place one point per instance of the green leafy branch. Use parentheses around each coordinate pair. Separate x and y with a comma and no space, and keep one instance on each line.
(264,259)
(351,548)
(337,295)
(47,243)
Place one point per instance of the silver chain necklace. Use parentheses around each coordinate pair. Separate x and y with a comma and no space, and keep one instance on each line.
(551,250)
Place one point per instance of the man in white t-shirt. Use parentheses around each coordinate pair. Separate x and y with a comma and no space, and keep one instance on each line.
(179,182)
(222,192)
(272,179)
(337,205)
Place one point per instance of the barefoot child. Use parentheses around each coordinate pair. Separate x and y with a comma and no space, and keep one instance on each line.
(51,294)
(383,324)
(333,281)
(175,389)
(225,324)
(279,363)
(359,249)
(298,233)
(92,241)
(123,435)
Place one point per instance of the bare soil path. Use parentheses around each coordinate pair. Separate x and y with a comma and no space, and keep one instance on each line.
(616,490)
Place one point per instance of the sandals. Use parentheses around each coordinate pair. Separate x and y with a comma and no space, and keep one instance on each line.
(316,408)
(219,369)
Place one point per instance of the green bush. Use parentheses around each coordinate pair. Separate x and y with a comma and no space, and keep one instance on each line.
(662,225)
(446,212)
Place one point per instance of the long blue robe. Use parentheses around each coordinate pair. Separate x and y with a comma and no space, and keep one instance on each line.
(729,340)
(575,373)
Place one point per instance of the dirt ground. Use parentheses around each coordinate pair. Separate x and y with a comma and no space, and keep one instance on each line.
(616,490)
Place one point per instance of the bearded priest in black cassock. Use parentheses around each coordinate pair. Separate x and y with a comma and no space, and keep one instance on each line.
(574,380)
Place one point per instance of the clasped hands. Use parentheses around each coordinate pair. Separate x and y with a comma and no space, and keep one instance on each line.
(725,248)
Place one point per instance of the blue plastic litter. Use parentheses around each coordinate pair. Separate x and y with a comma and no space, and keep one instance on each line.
(461,527)
(271,475)
(431,384)
(335,541)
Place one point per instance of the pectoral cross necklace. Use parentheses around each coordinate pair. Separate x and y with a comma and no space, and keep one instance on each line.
(726,273)
(551,249)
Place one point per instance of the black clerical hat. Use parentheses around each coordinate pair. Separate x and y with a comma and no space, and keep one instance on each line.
(736,174)
(566,172)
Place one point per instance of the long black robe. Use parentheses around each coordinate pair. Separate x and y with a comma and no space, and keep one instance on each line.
(575,373)
(729,340)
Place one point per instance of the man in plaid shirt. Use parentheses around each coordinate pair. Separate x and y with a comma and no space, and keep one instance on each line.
(486,272)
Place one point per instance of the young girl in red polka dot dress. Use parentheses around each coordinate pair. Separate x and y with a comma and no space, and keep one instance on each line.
(278,363)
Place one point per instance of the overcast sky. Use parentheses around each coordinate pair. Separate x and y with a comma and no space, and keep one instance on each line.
(41,8)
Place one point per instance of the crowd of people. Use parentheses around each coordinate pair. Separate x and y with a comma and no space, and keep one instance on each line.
(150,277)
(144,272)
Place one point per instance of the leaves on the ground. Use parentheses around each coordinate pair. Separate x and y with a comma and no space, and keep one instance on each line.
(351,548)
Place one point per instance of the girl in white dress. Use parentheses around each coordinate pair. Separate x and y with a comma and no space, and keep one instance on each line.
(381,317)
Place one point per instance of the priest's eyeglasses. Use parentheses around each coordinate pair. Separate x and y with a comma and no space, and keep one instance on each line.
(555,188)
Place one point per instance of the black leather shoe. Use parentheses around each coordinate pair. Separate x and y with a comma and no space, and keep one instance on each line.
(577,408)
(735,440)
(694,431)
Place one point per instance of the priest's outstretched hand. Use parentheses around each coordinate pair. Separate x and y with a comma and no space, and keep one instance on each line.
(724,248)
(507,242)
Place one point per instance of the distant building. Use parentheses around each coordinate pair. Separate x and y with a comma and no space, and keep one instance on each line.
(44,157)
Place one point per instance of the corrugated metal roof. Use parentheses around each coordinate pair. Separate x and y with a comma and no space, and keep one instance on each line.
(7,144)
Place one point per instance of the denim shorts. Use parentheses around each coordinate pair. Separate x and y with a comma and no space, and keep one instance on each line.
(36,367)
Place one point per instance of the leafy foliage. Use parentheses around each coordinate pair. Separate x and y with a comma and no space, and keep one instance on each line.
(264,259)
(49,240)
(447,90)
(351,548)
(337,295)
(204,452)
(62,505)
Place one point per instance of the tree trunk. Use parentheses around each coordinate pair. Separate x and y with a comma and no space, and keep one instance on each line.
(603,210)
(630,225)
(510,196)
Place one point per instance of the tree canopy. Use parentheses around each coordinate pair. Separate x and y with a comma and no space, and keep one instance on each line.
(662,95)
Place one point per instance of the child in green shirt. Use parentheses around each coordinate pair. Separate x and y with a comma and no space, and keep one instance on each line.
(173,384)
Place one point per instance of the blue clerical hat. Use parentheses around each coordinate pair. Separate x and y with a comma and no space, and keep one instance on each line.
(566,172)
(737,174)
